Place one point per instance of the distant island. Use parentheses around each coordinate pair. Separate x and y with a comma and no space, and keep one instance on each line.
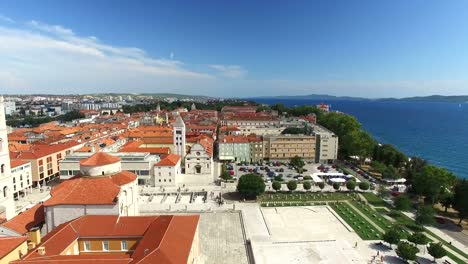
(324,97)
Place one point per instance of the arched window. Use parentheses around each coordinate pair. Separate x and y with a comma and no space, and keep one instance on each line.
(2,168)
(5,191)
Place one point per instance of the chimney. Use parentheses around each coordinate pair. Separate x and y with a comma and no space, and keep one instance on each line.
(31,245)
(41,251)
(35,235)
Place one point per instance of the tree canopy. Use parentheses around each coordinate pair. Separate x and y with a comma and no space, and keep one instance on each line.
(436,250)
(418,238)
(250,186)
(297,162)
(460,199)
(406,251)
(431,182)
(364,186)
(306,185)
(392,236)
(403,203)
(276,185)
(425,215)
(351,185)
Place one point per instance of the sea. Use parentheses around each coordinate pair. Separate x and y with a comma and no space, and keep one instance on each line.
(435,131)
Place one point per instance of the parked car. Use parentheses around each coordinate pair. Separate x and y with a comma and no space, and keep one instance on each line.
(231,172)
(281,170)
(250,170)
(242,169)
(271,174)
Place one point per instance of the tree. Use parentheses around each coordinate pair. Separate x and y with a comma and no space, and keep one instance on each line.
(336,185)
(414,167)
(250,186)
(276,185)
(436,250)
(321,185)
(406,251)
(364,186)
(292,185)
(425,215)
(432,182)
(418,238)
(294,130)
(351,185)
(390,172)
(359,143)
(460,199)
(306,185)
(297,162)
(447,200)
(403,203)
(392,236)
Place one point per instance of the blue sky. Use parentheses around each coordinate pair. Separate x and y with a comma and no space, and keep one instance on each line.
(361,48)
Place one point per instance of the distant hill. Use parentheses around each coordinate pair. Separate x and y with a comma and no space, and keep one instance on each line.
(324,97)
(433,98)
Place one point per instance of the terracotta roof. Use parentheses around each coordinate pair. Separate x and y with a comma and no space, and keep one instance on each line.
(16,163)
(8,244)
(164,239)
(99,159)
(169,160)
(26,220)
(135,146)
(40,151)
(89,190)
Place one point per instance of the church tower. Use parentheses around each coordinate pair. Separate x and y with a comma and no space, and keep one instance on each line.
(7,204)
(179,137)
(193,107)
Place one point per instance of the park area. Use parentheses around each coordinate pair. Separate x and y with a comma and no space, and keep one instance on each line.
(366,214)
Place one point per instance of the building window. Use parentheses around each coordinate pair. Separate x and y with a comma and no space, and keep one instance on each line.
(87,246)
(123,245)
(105,245)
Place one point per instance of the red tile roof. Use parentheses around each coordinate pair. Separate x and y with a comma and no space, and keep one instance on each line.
(26,220)
(89,190)
(99,159)
(39,150)
(8,244)
(16,163)
(169,160)
(164,239)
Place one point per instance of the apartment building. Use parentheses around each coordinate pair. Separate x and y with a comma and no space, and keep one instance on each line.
(285,147)
(22,177)
(326,146)
(45,158)
(234,148)
(257,151)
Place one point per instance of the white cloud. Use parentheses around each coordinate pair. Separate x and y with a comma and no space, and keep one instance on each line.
(6,19)
(52,58)
(231,71)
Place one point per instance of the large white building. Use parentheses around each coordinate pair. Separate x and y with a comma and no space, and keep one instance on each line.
(167,172)
(7,204)
(101,189)
(326,150)
(22,177)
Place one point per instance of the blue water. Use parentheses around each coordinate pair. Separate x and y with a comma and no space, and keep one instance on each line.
(437,132)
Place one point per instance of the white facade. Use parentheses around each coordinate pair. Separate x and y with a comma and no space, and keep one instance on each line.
(198,161)
(179,137)
(22,178)
(167,175)
(7,204)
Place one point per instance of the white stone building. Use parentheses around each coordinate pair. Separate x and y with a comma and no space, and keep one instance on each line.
(22,177)
(102,189)
(167,172)
(7,204)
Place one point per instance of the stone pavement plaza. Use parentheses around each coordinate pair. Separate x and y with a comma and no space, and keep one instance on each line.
(307,235)
(221,237)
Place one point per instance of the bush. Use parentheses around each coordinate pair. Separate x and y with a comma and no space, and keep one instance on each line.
(321,185)
(276,185)
(306,185)
(364,186)
(406,251)
(336,186)
(292,185)
(436,250)
(351,185)
(278,178)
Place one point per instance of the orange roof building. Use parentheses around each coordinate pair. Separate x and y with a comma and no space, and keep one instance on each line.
(100,188)
(110,239)
(12,248)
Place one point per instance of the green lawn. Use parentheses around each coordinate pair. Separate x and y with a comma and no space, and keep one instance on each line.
(373,215)
(375,200)
(361,226)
